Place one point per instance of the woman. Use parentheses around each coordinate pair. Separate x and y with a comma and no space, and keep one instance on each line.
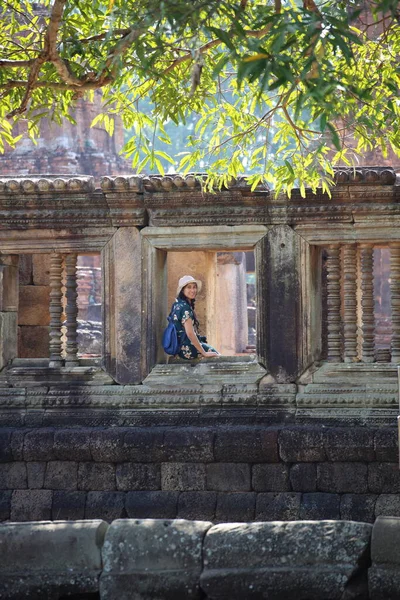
(186,323)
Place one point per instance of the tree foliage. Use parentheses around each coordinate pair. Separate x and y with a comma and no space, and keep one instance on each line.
(280,89)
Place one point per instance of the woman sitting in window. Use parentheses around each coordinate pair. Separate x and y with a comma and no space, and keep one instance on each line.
(186,323)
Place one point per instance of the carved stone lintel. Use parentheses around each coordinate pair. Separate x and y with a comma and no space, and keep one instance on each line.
(55,309)
(395,299)
(350,302)
(367,302)
(71,309)
(334,324)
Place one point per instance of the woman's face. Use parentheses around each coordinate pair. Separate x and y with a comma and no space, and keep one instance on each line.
(190,291)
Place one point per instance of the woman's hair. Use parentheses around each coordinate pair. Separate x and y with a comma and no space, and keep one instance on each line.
(192,303)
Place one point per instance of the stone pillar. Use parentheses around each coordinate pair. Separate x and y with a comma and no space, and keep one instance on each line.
(367,303)
(125,344)
(71,310)
(334,324)
(56,310)
(283,260)
(8,308)
(350,302)
(231,303)
(395,300)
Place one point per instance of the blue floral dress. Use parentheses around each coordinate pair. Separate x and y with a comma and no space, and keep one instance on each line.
(182,311)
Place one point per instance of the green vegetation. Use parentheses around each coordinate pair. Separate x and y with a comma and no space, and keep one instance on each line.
(282,90)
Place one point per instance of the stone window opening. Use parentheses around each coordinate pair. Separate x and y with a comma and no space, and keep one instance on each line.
(226,305)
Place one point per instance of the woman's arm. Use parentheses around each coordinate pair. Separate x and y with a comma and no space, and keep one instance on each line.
(190,332)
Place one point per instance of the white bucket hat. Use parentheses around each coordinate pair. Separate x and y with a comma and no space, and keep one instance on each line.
(188,279)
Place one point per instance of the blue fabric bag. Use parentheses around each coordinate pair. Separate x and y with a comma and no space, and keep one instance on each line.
(170,341)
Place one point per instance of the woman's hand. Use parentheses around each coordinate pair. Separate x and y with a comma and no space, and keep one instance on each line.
(210,354)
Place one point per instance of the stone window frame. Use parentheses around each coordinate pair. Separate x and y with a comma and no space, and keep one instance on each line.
(156,242)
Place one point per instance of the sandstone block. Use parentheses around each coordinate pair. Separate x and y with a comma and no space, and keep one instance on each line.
(197,506)
(35,472)
(320,506)
(31,505)
(384,574)
(25,269)
(41,269)
(50,559)
(33,341)
(228,477)
(246,445)
(34,303)
(152,505)
(68,505)
(185,477)
(188,445)
(131,476)
(303,444)
(303,477)
(387,444)
(107,445)
(384,478)
(5,445)
(235,507)
(5,504)
(61,475)
(38,445)
(349,444)
(153,559)
(105,505)
(144,445)
(13,476)
(283,506)
(72,445)
(342,477)
(9,287)
(17,444)
(96,476)
(358,507)
(387,505)
(293,561)
(8,337)
(271,478)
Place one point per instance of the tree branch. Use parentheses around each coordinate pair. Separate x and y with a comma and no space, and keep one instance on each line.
(17,63)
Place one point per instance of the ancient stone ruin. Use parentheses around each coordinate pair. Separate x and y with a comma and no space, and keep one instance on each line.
(299,425)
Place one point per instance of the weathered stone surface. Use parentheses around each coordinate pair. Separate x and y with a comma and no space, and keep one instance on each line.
(34,303)
(5,445)
(96,476)
(283,560)
(320,506)
(8,337)
(33,341)
(38,445)
(301,445)
(271,478)
(144,445)
(303,477)
(188,445)
(349,444)
(282,506)
(104,505)
(107,445)
(342,477)
(9,283)
(228,477)
(31,505)
(358,507)
(13,476)
(61,475)
(41,269)
(25,269)
(384,573)
(70,444)
(387,445)
(5,504)
(155,559)
(35,472)
(185,477)
(387,505)
(384,478)
(152,505)
(197,506)
(235,507)
(132,476)
(68,505)
(246,445)
(17,444)
(45,560)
